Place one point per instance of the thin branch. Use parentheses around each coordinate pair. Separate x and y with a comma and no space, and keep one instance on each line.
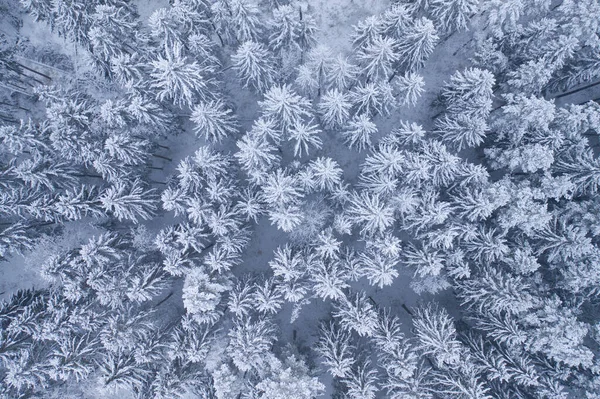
(576,90)
(162,157)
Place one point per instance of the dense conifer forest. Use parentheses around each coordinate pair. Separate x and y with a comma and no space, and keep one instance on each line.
(297,199)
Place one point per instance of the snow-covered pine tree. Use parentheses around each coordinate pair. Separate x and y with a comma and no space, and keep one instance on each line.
(281,188)
(357,313)
(291,28)
(203,294)
(256,154)
(175,78)
(378,57)
(380,269)
(425,261)
(477,204)
(304,136)
(214,121)
(469,92)
(334,108)
(325,173)
(453,15)
(14,239)
(366,31)
(371,212)
(164,26)
(147,112)
(202,47)
(373,98)
(582,168)
(240,297)
(306,81)
(254,66)
(318,61)
(497,293)
(267,297)
(358,132)
(113,32)
(249,341)
(341,73)
(290,379)
(362,382)
(546,47)
(583,68)
(307,30)
(329,280)
(335,346)
(285,107)
(461,131)
(436,335)
(410,87)
(127,149)
(39,9)
(386,160)
(456,382)
(282,192)
(408,134)
(245,19)
(486,244)
(328,246)
(527,158)
(129,201)
(396,19)
(71,19)
(288,263)
(389,336)
(525,117)
(381,184)
(286,217)
(417,44)
(40,173)
(503,16)
(445,166)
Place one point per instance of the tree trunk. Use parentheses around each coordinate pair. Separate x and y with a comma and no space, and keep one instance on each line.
(463,46)
(437,115)
(8,119)
(218,34)
(44,65)
(37,226)
(14,106)
(88,175)
(497,108)
(372,300)
(32,70)
(444,40)
(556,6)
(576,90)
(393,76)
(163,300)
(16,88)
(162,157)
